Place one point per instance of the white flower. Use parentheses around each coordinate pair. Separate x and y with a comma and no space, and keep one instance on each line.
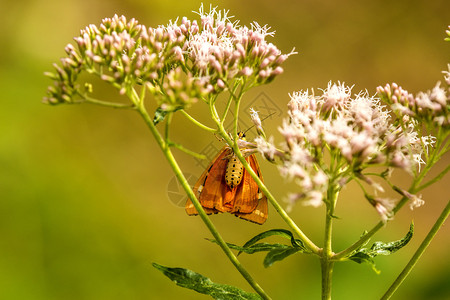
(314,199)
(384,208)
(336,96)
(416,201)
(292,200)
(428,141)
(291,132)
(320,178)
(439,95)
(447,75)
(293,170)
(257,121)
(265,147)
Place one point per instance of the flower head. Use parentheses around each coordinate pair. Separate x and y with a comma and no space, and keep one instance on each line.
(384,208)
(257,121)
(222,49)
(431,107)
(335,96)
(210,53)
(357,131)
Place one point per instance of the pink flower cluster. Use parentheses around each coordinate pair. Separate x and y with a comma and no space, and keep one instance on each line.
(432,107)
(223,50)
(211,55)
(331,138)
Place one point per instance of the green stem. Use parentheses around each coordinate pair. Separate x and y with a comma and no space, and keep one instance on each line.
(106,103)
(230,99)
(172,162)
(327,272)
(345,253)
(355,246)
(187,151)
(199,124)
(326,262)
(435,179)
(332,197)
(167,127)
(236,118)
(423,246)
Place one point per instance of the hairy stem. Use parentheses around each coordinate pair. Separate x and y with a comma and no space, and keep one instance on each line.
(423,246)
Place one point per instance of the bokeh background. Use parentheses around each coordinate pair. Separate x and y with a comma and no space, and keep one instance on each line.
(84,203)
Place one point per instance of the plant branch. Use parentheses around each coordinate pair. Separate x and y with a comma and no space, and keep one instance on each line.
(413,189)
(326,262)
(199,124)
(105,103)
(423,246)
(230,99)
(187,151)
(174,165)
(435,179)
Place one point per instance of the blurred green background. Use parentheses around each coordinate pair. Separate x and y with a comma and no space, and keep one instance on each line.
(84,190)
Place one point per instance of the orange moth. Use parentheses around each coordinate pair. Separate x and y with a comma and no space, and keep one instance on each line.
(226,186)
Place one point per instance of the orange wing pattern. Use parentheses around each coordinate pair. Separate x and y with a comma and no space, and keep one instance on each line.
(251,203)
(245,200)
(210,188)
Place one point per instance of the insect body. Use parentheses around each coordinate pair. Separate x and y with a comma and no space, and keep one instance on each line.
(234,171)
(226,186)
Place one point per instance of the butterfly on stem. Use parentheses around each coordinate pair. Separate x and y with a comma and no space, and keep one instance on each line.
(226,186)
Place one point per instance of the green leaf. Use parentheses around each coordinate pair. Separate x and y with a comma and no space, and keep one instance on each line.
(160,114)
(366,255)
(279,254)
(361,257)
(258,247)
(203,285)
(381,248)
(280,232)
(276,251)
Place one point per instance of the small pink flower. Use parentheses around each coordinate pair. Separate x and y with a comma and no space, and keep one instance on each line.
(384,208)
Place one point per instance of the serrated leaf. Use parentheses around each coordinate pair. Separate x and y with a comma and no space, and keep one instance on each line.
(280,232)
(189,279)
(258,247)
(276,251)
(366,255)
(279,254)
(381,248)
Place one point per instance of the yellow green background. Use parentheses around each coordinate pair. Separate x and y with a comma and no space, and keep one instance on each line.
(84,208)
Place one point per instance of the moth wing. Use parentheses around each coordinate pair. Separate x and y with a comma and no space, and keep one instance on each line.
(209,186)
(251,203)
(246,198)
(214,189)
(192,211)
(259,215)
